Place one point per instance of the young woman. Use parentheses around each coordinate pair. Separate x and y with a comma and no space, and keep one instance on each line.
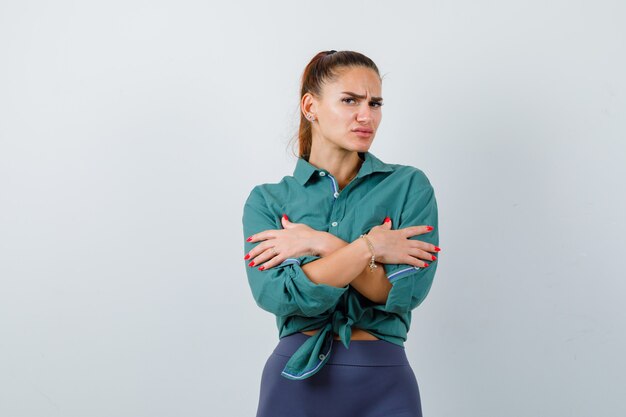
(331,251)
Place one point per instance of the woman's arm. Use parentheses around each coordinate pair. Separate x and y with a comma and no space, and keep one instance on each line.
(376,284)
(297,239)
(410,277)
(343,263)
(342,266)
(373,285)
(338,271)
(284,290)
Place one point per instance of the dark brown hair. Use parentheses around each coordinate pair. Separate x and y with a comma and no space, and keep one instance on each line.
(324,68)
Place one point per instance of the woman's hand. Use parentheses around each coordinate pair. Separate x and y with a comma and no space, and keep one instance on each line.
(294,240)
(395,247)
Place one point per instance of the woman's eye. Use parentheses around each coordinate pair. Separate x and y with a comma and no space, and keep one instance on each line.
(375,103)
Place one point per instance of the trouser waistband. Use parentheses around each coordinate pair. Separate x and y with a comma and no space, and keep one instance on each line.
(359,352)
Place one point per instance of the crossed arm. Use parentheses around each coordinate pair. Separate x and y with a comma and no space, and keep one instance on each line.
(310,287)
(344,263)
(339,263)
(350,264)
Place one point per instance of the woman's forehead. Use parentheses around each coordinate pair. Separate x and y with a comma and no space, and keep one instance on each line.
(356,80)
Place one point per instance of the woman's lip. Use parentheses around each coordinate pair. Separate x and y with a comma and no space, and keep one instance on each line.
(363,133)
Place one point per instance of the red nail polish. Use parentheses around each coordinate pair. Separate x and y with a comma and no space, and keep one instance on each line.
(261,268)
(285,217)
(387,219)
(247,256)
(437,248)
(251,263)
(425,265)
(434,257)
(429,228)
(249,239)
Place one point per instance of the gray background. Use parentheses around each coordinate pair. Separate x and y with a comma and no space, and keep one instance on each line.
(131,133)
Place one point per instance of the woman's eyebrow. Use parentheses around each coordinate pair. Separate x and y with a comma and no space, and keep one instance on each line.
(361,96)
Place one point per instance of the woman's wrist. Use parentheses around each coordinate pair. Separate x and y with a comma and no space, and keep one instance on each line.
(327,243)
(365,252)
(370,246)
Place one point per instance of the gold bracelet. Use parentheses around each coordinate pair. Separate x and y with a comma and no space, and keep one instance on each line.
(372,261)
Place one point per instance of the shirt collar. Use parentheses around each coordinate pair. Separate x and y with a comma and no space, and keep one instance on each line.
(304,170)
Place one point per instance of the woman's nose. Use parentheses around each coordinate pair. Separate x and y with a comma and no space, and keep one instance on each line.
(364,114)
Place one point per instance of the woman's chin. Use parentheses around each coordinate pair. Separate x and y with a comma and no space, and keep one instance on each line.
(363,145)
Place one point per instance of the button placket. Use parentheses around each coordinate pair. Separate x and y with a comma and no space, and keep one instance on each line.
(334,189)
(334,185)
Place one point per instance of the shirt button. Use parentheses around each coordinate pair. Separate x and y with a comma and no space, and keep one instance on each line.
(322,173)
(322,356)
(334,224)
(336,195)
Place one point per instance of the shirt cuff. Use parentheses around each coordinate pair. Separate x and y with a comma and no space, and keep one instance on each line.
(396,271)
(410,285)
(316,298)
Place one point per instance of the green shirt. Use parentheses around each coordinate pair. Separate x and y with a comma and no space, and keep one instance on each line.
(311,196)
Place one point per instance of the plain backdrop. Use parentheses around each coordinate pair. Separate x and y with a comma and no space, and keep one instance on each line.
(131,133)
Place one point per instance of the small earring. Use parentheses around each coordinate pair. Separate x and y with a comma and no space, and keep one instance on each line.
(310,117)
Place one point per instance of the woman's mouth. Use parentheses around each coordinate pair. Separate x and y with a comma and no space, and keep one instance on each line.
(363,133)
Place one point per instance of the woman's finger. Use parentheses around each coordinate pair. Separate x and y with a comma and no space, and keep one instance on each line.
(416,230)
(425,246)
(422,254)
(261,253)
(257,250)
(411,260)
(264,235)
(276,260)
(263,257)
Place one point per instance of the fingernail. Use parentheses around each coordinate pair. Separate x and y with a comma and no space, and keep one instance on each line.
(425,265)
(434,257)
(247,256)
(437,248)
(429,228)
(261,268)
(285,217)
(249,239)
(251,263)
(387,219)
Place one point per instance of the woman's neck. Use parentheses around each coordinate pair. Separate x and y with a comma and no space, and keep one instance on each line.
(342,166)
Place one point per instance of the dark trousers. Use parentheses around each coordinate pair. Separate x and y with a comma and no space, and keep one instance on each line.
(372,378)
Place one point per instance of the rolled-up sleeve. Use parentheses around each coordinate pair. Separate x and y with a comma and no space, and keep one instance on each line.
(410,284)
(283,290)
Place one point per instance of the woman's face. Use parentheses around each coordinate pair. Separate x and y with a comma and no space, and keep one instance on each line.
(349,111)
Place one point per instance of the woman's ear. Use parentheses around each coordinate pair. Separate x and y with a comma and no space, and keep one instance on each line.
(308,104)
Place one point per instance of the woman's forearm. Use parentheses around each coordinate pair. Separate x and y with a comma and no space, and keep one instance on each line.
(330,243)
(340,267)
(373,285)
